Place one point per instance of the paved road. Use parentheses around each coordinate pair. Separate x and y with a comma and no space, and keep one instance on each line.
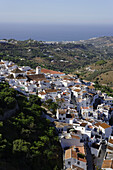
(89,158)
(99,160)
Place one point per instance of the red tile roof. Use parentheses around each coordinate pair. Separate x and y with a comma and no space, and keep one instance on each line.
(75,137)
(103,125)
(43,70)
(51,90)
(77,90)
(1,62)
(110,141)
(84,107)
(83,124)
(107,164)
(91,87)
(71,153)
(76,167)
(36,77)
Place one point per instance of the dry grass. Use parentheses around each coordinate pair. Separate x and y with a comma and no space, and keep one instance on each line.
(106,78)
(40,60)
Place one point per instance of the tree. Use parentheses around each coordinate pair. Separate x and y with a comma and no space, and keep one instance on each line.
(20,146)
(1,112)
(34,100)
(10,102)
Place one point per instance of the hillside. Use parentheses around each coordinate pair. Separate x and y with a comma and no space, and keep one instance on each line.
(99,41)
(68,57)
(27,140)
(100,70)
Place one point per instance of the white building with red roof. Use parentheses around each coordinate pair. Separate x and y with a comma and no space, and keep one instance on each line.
(52,73)
(17,72)
(104,128)
(75,157)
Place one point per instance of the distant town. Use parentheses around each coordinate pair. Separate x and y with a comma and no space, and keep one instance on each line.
(83,117)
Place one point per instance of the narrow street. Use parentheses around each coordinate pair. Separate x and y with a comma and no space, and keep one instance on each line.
(89,158)
(98,161)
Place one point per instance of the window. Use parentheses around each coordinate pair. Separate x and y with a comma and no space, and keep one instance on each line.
(64,118)
(78,163)
(59,118)
(69,163)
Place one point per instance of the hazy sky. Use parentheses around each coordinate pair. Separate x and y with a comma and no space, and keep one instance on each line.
(57,11)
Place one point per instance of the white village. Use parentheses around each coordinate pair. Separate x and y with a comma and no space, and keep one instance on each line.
(81,119)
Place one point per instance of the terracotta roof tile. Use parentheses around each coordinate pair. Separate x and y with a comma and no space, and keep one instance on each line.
(61,124)
(75,137)
(109,147)
(77,85)
(43,70)
(91,87)
(37,77)
(105,125)
(110,141)
(62,111)
(42,93)
(1,62)
(76,167)
(84,91)
(77,90)
(68,154)
(83,160)
(107,164)
(72,153)
(51,90)
(83,124)
(98,124)
(85,107)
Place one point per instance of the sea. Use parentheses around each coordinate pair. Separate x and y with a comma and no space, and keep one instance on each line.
(55,32)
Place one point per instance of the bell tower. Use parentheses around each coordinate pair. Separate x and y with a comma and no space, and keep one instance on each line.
(38,70)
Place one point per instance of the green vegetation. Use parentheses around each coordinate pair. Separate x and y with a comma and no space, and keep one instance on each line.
(100,62)
(7,98)
(27,140)
(52,106)
(69,58)
(104,89)
(58,56)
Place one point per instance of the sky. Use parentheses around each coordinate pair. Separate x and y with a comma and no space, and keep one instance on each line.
(57,11)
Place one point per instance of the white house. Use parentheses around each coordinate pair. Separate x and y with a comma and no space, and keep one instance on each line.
(17,72)
(87,111)
(75,158)
(42,95)
(95,149)
(61,115)
(104,128)
(52,73)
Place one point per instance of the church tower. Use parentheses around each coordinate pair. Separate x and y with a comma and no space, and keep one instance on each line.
(38,70)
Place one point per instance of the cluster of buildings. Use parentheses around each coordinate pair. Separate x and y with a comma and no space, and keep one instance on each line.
(82,117)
